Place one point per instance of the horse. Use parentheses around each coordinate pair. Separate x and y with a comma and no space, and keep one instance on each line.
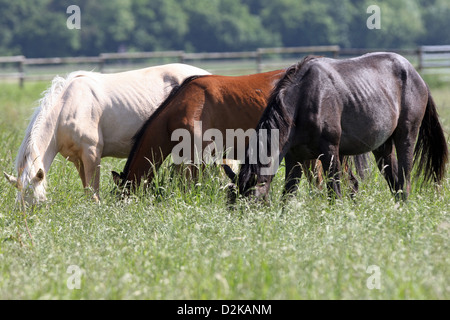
(213,110)
(327,108)
(87,116)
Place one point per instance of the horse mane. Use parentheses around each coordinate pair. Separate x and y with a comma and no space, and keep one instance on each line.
(275,116)
(141,132)
(44,106)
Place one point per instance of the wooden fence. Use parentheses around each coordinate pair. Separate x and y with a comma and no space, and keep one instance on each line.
(427,57)
(434,57)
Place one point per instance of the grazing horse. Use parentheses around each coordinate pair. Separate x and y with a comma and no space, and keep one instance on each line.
(219,102)
(326,108)
(87,116)
(223,105)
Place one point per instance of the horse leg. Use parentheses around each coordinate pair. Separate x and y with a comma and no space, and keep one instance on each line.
(332,167)
(293,175)
(80,168)
(387,164)
(404,144)
(354,183)
(91,161)
(313,172)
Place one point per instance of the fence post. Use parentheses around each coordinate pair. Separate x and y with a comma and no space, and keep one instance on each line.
(101,63)
(21,71)
(336,52)
(181,57)
(420,54)
(258,60)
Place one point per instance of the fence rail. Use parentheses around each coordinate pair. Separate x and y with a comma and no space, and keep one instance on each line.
(427,57)
(434,57)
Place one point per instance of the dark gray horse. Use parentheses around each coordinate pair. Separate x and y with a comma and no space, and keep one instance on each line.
(326,108)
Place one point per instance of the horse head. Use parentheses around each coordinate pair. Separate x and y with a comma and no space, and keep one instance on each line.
(117,178)
(124,187)
(31,190)
(231,187)
(249,188)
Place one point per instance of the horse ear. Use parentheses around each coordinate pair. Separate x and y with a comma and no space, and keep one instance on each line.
(11,179)
(116,178)
(229,172)
(39,176)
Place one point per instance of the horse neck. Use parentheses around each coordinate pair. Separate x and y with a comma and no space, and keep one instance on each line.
(263,155)
(37,152)
(147,154)
(39,146)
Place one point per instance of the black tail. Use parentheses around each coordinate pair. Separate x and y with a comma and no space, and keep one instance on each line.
(431,150)
(361,163)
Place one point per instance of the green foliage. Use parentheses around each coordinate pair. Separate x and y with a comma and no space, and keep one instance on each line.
(401,25)
(38,28)
(160,25)
(220,25)
(105,25)
(436,21)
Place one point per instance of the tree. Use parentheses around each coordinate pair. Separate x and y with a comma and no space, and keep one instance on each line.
(436,19)
(34,29)
(9,22)
(305,22)
(37,28)
(225,25)
(106,25)
(159,25)
(401,25)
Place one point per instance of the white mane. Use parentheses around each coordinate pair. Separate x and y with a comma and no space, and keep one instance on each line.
(28,152)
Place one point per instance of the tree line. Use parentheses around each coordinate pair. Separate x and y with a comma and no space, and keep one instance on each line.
(38,28)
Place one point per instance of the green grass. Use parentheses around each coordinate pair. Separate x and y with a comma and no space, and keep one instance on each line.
(172,244)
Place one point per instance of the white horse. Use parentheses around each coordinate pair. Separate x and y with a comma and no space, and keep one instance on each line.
(87,116)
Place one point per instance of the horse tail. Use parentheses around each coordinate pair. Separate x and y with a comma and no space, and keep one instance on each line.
(361,164)
(431,150)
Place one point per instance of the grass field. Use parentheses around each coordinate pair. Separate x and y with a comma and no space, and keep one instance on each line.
(171,244)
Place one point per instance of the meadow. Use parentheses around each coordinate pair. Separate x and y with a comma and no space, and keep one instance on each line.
(172,244)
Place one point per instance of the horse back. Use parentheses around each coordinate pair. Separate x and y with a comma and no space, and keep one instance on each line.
(105,110)
(241,94)
(223,102)
(358,102)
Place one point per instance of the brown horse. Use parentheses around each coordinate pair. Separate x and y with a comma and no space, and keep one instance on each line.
(219,102)
(222,106)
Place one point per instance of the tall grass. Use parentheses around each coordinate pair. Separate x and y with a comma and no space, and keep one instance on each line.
(179,241)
